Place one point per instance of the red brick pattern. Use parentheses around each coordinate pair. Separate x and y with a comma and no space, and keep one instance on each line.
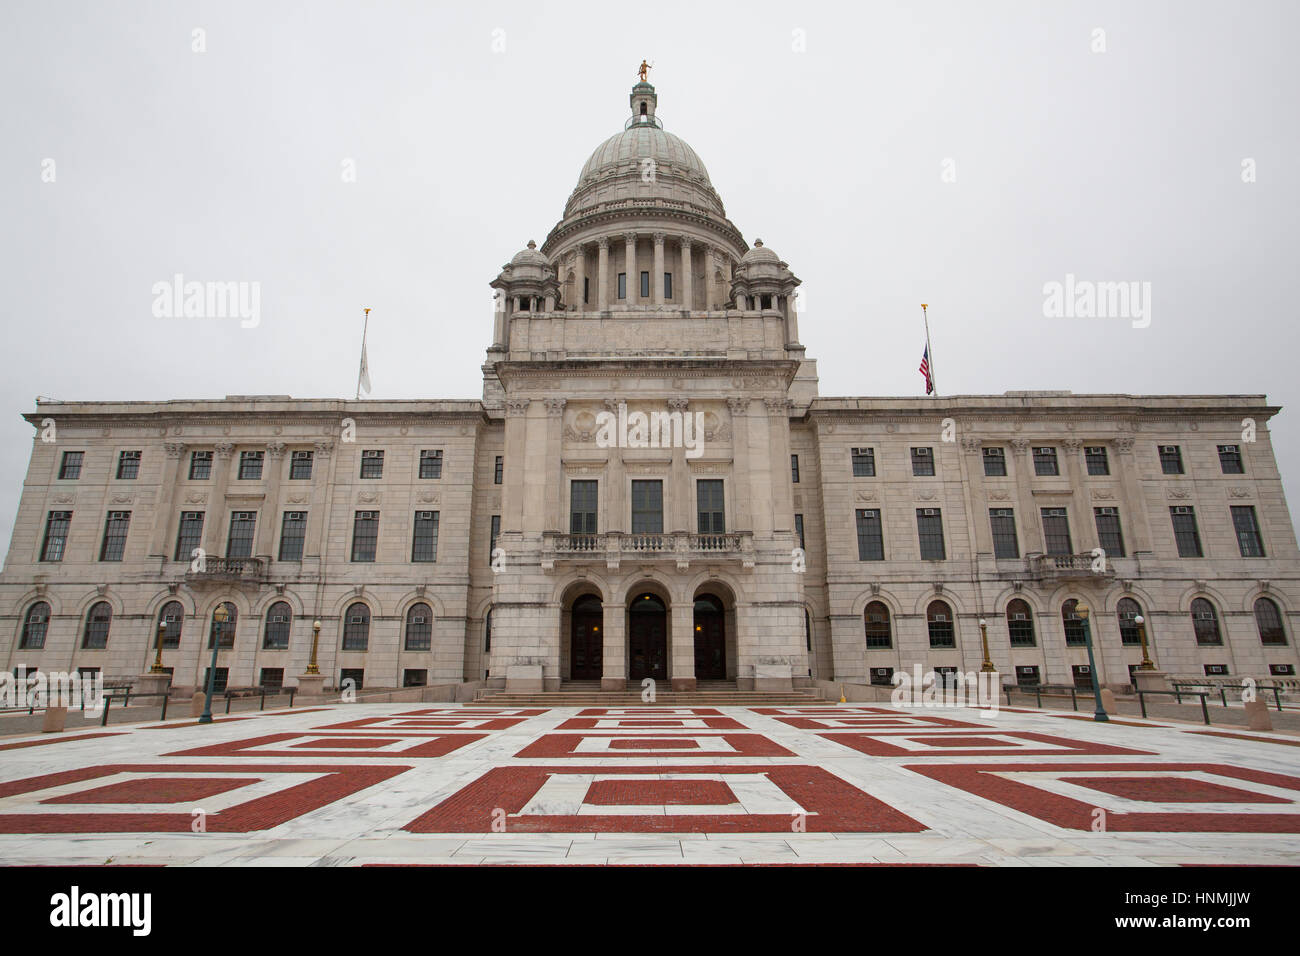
(651,723)
(643,793)
(46,741)
(156,790)
(832,805)
(1172,790)
(683,745)
(423,745)
(983,780)
(1005,744)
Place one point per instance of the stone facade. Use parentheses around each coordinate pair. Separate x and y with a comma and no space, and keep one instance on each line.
(561,554)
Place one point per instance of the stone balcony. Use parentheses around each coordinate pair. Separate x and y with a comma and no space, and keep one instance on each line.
(613,547)
(1044,567)
(225,571)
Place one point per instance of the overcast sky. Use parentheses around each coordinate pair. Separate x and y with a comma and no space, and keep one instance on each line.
(826,129)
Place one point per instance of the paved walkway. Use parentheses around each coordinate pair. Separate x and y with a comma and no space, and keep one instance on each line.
(443,784)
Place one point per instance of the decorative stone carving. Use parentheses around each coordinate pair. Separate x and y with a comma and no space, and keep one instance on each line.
(554,406)
(517,407)
(1179,493)
(196,498)
(999,496)
(1072,443)
(429,497)
(174,449)
(1124,445)
(275,450)
(971,446)
(64,499)
(738,406)
(224,449)
(123,499)
(1019,446)
(368,497)
(298,499)
(1103,494)
(678,404)
(866,495)
(1238,492)
(324,449)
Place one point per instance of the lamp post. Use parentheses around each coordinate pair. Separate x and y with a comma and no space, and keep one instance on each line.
(1082,611)
(315,639)
(219,618)
(1147,664)
(987,667)
(157,658)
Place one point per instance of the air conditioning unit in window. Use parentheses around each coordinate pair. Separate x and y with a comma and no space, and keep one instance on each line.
(1026,670)
(419,619)
(941,617)
(1084,669)
(929,512)
(1169,449)
(1019,617)
(882,671)
(424,515)
(1204,616)
(1182,510)
(921,452)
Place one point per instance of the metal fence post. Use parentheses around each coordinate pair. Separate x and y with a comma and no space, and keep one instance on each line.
(108,700)
(1277,697)
(1074,698)
(1142,700)
(164,709)
(1205,711)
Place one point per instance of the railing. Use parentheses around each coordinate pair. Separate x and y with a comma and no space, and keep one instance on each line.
(1069,565)
(612,546)
(228,569)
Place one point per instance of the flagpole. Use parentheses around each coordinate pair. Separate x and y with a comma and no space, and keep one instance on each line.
(361,366)
(929,349)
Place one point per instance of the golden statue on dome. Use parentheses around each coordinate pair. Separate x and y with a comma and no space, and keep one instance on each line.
(644,69)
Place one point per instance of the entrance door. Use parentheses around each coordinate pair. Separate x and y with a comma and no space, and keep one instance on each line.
(586,639)
(647,638)
(710,639)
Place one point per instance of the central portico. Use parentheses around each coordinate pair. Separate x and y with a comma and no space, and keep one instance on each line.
(646,556)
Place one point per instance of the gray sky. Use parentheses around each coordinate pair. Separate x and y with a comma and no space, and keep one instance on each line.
(226,165)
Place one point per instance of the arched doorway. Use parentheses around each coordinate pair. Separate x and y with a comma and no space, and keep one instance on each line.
(586,638)
(647,638)
(710,638)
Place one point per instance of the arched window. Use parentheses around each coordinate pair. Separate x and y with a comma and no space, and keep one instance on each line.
(487,632)
(1206,622)
(1127,611)
(98,621)
(1020,624)
(877,623)
(279,620)
(1074,633)
(939,618)
(356,628)
(807,630)
(34,626)
(227,629)
(1269,621)
(419,628)
(172,617)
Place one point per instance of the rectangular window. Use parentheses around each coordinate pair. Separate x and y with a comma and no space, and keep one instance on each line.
(1186,535)
(239,543)
(668,286)
(1216,670)
(128,465)
(431,463)
(798,530)
(622,285)
(272,678)
(1247,528)
(929,529)
(365,535)
(1095,458)
(293,533)
(647,507)
(115,529)
(190,535)
(1230,460)
(1045,461)
(1027,675)
(498,470)
(220,680)
(372,464)
(424,544)
(645,285)
(582,506)
(922,461)
(200,465)
(1005,542)
(1056,531)
(492,536)
(708,497)
(864,462)
(995,462)
(1109,535)
(794,468)
(300,466)
(1171,459)
(70,468)
(250,465)
(882,676)
(871,540)
(56,535)
(354,674)
(414,677)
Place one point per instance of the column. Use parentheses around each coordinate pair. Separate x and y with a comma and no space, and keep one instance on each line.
(318,504)
(1134,517)
(554,455)
(739,408)
(515,451)
(791,320)
(266,521)
(782,493)
(216,512)
(162,519)
(686,296)
(657,280)
(613,668)
(1085,538)
(681,646)
(1030,526)
(602,274)
(710,286)
(618,515)
(580,272)
(683,500)
(629,267)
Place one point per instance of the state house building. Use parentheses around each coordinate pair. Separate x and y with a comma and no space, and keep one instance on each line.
(618,563)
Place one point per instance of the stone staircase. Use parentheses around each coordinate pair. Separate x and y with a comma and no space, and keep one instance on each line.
(706,694)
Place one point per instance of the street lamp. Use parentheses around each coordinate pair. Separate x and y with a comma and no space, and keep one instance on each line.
(315,639)
(219,618)
(157,658)
(987,667)
(1147,664)
(1082,611)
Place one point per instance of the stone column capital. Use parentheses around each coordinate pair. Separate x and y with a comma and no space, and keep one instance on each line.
(659,238)
(685,243)
(630,238)
(1019,446)
(275,449)
(603,243)
(738,406)
(1124,445)
(678,404)
(555,406)
(517,406)
(971,446)
(224,449)
(174,449)
(324,449)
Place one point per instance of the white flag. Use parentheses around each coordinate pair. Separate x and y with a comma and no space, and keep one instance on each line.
(365,371)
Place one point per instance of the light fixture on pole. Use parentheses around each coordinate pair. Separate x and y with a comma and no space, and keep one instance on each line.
(1082,610)
(315,639)
(157,658)
(219,620)
(987,667)
(1147,664)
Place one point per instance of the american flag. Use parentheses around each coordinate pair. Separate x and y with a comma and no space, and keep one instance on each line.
(925,370)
